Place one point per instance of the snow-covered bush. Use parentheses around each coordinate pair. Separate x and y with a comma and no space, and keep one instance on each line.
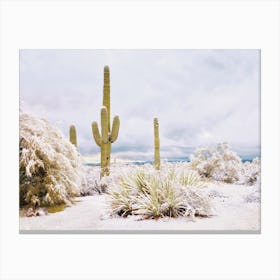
(255,195)
(173,191)
(49,165)
(219,163)
(90,183)
(93,184)
(250,172)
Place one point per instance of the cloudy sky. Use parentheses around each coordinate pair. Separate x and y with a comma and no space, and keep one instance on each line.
(201,97)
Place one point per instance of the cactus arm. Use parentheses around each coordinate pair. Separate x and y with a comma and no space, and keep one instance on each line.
(115,129)
(156,145)
(104,125)
(96,134)
(73,135)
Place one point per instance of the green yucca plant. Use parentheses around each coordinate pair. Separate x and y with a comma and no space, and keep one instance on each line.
(187,178)
(171,192)
(149,205)
(122,200)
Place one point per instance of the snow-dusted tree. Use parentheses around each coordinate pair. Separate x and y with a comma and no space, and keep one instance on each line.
(219,163)
(49,165)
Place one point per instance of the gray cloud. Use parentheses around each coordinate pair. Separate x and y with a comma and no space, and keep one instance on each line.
(200,96)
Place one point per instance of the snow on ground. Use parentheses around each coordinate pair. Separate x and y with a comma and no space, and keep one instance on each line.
(233,213)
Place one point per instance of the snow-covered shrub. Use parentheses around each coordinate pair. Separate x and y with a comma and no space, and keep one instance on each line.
(255,195)
(90,183)
(173,191)
(93,184)
(49,165)
(250,172)
(219,163)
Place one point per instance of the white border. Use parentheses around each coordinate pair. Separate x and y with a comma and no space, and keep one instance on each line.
(158,24)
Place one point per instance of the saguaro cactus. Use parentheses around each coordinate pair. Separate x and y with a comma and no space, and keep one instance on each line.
(156,145)
(73,135)
(107,136)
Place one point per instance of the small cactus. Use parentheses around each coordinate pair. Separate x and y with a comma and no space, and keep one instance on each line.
(73,135)
(156,145)
(107,136)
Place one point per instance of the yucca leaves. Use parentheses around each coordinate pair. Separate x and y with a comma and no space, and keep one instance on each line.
(174,191)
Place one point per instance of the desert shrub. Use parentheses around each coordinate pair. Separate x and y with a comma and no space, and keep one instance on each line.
(255,194)
(219,163)
(173,191)
(91,181)
(93,184)
(250,172)
(49,165)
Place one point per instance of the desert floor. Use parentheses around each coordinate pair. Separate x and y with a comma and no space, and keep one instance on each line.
(90,215)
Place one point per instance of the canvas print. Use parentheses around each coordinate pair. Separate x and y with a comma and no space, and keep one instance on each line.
(139,141)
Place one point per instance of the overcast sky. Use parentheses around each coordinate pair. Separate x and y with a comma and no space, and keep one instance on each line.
(201,97)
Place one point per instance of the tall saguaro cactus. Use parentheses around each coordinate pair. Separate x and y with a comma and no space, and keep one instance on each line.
(73,135)
(156,145)
(107,136)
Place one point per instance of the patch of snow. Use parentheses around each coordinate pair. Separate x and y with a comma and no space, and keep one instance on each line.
(90,213)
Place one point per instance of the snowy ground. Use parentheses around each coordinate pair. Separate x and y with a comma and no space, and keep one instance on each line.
(233,214)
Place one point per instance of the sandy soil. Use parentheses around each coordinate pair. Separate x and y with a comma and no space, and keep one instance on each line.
(233,214)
